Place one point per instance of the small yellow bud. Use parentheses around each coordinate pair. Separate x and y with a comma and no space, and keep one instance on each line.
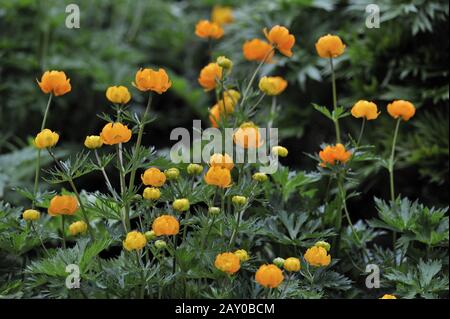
(242,254)
(46,138)
(160,244)
(93,141)
(280,151)
(31,215)
(292,264)
(224,62)
(151,193)
(260,177)
(279,262)
(272,85)
(214,210)
(150,235)
(181,205)
(194,169)
(78,227)
(323,244)
(239,200)
(172,173)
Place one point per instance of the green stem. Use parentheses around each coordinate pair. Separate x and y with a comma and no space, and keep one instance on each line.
(205,241)
(44,120)
(185,226)
(391,160)
(40,238)
(333,83)
(235,230)
(125,212)
(108,182)
(361,132)
(63,235)
(344,205)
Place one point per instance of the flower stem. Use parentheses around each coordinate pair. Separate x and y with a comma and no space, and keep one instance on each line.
(235,230)
(125,212)
(391,160)
(108,182)
(63,235)
(40,238)
(344,205)
(185,225)
(361,132)
(333,83)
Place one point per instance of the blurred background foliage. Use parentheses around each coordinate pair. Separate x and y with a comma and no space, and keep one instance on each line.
(406,58)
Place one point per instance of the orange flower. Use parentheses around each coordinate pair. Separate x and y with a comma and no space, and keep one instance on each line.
(115,133)
(317,256)
(247,136)
(257,50)
(228,262)
(222,15)
(269,276)
(118,94)
(55,82)
(207,29)
(222,161)
(280,37)
(165,225)
(63,205)
(330,46)
(151,80)
(215,115)
(209,75)
(365,109)
(272,85)
(401,108)
(333,154)
(217,176)
(153,177)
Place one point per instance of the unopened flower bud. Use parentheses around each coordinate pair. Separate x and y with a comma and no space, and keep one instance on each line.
(224,62)
(172,173)
(281,151)
(151,193)
(239,200)
(160,244)
(214,210)
(181,205)
(279,262)
(150,235)
(260,177)
(194,169)
(323,244)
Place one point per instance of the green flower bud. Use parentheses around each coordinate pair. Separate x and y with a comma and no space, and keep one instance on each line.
(323,244)
(260,177)
(160,244)
(239,200)
(214,210)
(172,173)
(194,169)
(181,205)
(150,235)
(279,262)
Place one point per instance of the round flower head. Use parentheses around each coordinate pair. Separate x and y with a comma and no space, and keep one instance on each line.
(151,193)
(260,177)
(160,244)
(217,176)
(272,85)
(317,256)
(93,141)
(165,225)
(333,154)
(46,138)
(292,264)
(214,210)
(224,63)
(280,37)
(115,133)
(228,101)
(365,109)
(247,136)
(222,161)
(151,80)
(257,50)
(55,82)
(280,151)
(31,215)
(242,255)
(194,169)
(63,205)
(387,296)
(153,177)
(150,235)
(172,173)
(269,276)
(330,46)
(401,108)
(134,241)
(181,205)
(239,200)
(209,76)
(118,94)
(222,15)
(78,227)
(279,262)
(228,262)
(206,29)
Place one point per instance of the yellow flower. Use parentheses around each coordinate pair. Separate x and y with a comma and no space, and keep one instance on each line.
(228,262)
(217,176)
(206,29)
(330,46)
(209,75)
(55,82)
(387,296)
(334,154)
(194,169)
(365,109)
(31,215)
(172,173)
(280,37)
(46,138)
(272,85)
(78,227)
(134,241)
(63,205)
(151,193)
(118,94)
(181,204)
(247,136)
(269,276)
(151,80)
(242,255)
(401,108)
(280,151)
(317,256)
(292,264)
(228,101)
(153,177)
(222,161)
(260,177)
(222,15)
(93,141)
(239,200)
(224,63)
(165,225)
(115,133)
(257,50)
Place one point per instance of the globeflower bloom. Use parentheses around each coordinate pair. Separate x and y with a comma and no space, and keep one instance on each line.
(330,46)
(55,82)
(46,138)
(63,205)
(31,215)
(280,37)
(387,296)
(269,276)
(280,151)
(401,108)
(292,264)
(115,133)
(222,15)
(317,256)
(206,29)
(93,142)
(242,255)
(181,205)
(228,262)
(333,154)
(257,50)
(194,169)
(365,109)
(222,161)
(209,75)
(153,177)
(78,227)
(134,241)
(151,80)
(151,193)
(247,136)
(272,85)
(118,94)
(165,225)
(217,176)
